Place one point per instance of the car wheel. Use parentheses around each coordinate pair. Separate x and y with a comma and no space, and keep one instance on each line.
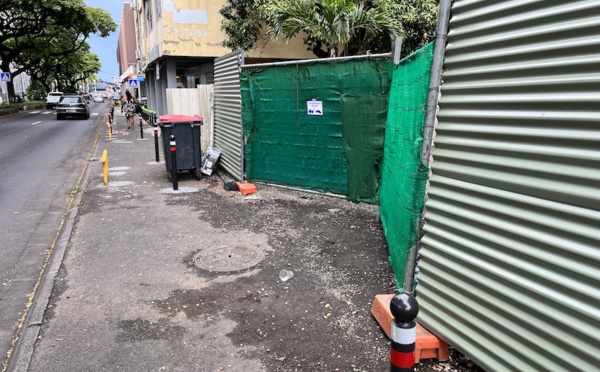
(59,117)
(87,116)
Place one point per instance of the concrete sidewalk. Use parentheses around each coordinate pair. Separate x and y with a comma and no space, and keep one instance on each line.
(159,281)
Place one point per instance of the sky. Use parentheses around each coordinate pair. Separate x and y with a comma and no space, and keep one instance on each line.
(106,48)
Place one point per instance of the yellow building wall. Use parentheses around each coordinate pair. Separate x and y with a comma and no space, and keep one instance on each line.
(192,28)
(266,48)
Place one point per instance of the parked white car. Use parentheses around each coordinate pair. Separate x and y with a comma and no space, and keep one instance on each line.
(52,99)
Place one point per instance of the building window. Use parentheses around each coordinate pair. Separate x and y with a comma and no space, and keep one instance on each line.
(158,9)
(148,9)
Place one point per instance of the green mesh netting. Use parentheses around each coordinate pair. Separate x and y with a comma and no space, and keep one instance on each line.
(337,152)
(403,175)
(363,130)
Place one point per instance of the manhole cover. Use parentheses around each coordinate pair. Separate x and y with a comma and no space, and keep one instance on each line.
(94,159)
(79,161)
(225,259)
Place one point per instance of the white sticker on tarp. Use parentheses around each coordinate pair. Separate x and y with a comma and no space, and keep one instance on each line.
(314,107)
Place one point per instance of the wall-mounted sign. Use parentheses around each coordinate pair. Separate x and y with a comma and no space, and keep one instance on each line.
(133,83)
(153,54)
(4,76)
(314,107)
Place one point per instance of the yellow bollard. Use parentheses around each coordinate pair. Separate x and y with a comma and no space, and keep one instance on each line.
(104,160)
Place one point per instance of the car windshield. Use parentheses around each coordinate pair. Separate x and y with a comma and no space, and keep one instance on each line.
(55,94)
(70,100)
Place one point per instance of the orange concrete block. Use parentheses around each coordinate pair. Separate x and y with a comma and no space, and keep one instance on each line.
(427,345)
(381,312)
(246,188)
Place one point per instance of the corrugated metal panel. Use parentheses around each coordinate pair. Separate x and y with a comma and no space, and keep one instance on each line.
(228,132)
(509,270)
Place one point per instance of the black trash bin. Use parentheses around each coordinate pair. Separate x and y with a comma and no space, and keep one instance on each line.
(186,130)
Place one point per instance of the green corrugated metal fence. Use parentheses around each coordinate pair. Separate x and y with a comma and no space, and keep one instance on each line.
(509,268)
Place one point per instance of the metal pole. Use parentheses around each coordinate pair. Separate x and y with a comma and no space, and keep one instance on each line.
(141,128)
(304,61)
(397,50)
(435,78)
(212,118)
(174,162)
(156,144)
(22,86)
(110,122)
(432,99)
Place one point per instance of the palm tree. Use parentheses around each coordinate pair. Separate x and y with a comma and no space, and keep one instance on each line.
(332,23)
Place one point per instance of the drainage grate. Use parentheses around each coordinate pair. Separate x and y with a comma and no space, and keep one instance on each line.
(80,161)
(224,259)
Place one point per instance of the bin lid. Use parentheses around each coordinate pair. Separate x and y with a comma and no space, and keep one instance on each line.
(174,118)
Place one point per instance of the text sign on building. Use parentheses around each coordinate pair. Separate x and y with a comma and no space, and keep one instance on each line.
(133,83)
(314,107)
(4,76)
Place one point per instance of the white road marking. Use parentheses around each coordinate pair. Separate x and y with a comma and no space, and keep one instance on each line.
(95,114)
(47,112)
(37,122)
(34,112)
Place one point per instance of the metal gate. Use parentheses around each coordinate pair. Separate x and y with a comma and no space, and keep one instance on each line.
(509,270)
(228,131)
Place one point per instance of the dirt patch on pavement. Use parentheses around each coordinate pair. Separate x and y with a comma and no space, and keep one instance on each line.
(158,304)
(320,319)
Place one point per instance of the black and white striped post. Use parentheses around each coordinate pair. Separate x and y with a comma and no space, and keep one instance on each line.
(404,308)
(156,144)
(174,162)
(111,115)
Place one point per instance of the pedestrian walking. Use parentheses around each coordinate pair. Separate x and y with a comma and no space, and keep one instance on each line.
(129,109)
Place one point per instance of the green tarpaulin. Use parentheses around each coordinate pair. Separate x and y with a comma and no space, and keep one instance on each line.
(337,150)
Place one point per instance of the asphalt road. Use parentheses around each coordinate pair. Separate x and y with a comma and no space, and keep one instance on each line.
(41,159)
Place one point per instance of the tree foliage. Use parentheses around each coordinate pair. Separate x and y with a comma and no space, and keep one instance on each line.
(333,23)
(241,23)
(44,37)
(69,70)
(331,27)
